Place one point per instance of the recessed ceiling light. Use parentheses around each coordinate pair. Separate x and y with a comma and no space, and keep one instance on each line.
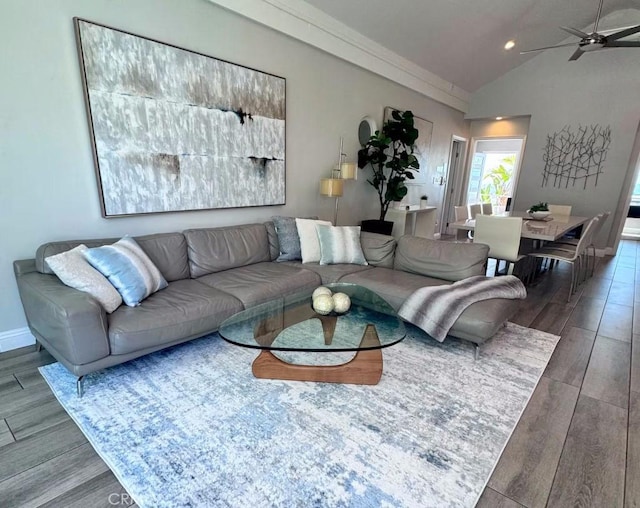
(498,118)
(510,44)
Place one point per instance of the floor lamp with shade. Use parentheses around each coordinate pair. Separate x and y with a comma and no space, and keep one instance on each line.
(334,187)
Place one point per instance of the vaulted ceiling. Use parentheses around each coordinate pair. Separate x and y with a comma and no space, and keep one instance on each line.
(462,41)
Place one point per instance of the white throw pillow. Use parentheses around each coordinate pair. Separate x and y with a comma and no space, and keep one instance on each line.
(309,243)
(75,271)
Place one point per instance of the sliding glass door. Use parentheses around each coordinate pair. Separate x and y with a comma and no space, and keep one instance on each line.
(493,172)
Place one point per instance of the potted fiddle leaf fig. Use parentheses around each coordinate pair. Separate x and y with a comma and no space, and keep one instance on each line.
(389,155)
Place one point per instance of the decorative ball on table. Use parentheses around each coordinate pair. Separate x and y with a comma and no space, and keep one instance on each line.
(341,303)
(321,290)
(323,304)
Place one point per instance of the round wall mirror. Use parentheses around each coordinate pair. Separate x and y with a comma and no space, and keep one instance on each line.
(366,129)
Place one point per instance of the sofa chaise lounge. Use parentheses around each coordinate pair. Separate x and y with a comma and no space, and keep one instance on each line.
(216,272)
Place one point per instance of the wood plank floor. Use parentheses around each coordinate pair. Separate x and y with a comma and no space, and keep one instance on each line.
(577,443)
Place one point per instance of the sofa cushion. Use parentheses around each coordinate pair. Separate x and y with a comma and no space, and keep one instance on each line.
(477,323)
(261,282)
(168,251)
(274,243)
(218,249)
(186,308)
(392,285)
(52,248)
(330,273)
(443,260)
(481,320)
(378,249)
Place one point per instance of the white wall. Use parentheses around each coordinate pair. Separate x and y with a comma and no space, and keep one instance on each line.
(600,88)
(49,187)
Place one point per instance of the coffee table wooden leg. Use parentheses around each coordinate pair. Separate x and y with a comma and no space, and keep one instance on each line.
(365,368)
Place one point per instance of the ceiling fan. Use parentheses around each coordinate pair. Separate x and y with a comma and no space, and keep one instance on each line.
(595,40)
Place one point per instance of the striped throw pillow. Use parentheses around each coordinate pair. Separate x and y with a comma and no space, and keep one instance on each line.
(128,268)
(340,244)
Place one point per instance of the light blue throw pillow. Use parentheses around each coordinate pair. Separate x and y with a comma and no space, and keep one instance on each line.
(128,268)
(340,244)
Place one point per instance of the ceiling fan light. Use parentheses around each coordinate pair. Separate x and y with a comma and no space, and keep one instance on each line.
(498,118)
(510,44)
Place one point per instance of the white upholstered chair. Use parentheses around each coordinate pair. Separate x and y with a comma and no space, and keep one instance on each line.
(602,218)
(573,254)
(461,212)
(560,210)
(475,210)
(502,235)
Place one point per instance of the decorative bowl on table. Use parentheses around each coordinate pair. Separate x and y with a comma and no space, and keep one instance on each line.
(539,214)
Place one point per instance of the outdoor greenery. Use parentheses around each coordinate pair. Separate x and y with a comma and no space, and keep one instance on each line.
(389,154)
(498,182)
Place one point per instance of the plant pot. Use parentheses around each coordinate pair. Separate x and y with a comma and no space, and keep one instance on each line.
(383,227)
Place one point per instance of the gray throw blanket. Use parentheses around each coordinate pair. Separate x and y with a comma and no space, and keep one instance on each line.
(435,309)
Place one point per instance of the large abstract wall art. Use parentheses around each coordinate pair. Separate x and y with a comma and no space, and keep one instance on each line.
(176,130)
(575,157)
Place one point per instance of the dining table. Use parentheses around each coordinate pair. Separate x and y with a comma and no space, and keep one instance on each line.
(550,229)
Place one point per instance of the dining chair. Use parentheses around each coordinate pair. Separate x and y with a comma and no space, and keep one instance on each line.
(462,213)
(487,209)
(560,210)
(602,218)
(572,254)
(502,235)
(474,210)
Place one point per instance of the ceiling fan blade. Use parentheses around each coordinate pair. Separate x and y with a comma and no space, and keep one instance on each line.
(578,53)
(623,33)
(547,47)
(623,44)
(575,31)
(595,25)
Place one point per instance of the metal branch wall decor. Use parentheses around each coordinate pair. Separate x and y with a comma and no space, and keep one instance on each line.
(176,130)
(575,158)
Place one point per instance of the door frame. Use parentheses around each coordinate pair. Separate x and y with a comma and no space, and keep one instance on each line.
(516,169)
(619,215)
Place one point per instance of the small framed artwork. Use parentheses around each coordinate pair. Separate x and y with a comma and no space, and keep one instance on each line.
(422,148)
(175,130)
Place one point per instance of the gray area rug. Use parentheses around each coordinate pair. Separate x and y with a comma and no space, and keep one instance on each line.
(191,426)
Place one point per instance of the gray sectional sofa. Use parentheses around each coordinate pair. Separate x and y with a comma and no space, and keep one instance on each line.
(214,273)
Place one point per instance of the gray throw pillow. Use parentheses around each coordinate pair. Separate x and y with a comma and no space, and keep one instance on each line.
(288,237)
(75,271)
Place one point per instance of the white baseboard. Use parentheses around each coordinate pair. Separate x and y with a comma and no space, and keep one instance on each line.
(14,339)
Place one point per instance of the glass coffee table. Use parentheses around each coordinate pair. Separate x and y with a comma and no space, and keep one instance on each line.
(290,324)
